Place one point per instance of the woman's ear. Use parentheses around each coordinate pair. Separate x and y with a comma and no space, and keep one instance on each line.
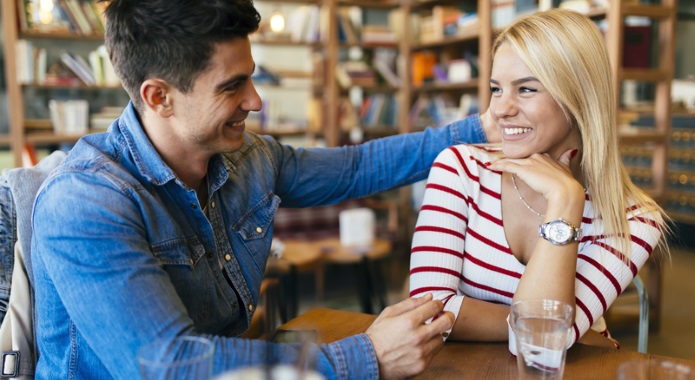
(156,94)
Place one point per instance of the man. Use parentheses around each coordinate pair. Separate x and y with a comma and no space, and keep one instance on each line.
(161,226)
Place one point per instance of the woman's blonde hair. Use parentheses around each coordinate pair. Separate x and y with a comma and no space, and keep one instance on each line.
(567,54)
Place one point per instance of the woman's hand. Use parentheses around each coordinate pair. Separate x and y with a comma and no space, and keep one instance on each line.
(545,175)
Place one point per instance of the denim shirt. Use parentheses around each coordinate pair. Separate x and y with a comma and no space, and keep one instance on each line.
(124,254)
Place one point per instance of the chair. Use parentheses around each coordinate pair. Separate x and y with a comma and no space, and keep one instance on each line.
(318,228)
(17,331)
(643,334)
(266,316)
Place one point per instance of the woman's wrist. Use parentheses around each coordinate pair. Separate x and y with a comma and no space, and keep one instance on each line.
(567,204)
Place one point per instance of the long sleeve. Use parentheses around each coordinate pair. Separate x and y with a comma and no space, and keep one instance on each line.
(437,252)
(313,176)
(603,272)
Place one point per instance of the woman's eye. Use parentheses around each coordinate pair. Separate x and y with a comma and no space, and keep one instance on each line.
(495,90)
(527,90)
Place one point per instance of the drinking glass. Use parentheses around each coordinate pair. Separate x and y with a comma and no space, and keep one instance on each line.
(185,357)
(655,370)
(541,328)
(303,368)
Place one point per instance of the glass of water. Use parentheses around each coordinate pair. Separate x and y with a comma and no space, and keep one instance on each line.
(541,328)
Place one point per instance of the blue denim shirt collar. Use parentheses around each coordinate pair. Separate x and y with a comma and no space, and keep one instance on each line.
(148,160)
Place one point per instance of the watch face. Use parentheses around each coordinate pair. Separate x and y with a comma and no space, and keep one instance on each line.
(559,232)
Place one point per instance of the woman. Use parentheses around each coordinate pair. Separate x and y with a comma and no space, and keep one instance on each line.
(551,213)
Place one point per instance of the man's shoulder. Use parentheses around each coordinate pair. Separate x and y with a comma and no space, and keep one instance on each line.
(93,158)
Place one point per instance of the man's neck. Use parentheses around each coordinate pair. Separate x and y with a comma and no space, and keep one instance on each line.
(189,164)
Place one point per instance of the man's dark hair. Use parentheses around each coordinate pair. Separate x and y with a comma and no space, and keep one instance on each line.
(171,39)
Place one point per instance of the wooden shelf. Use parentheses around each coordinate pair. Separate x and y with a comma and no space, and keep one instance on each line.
(48,138)
(645,75)
(425,4)
(682,216)
(380,131)
(283,42)
(375,88)
(4,141)
(436,87)
(39,86)
(651,11)
(374,4)
(299,2)
(368,45)
(642,135)
(470,36)
(60,35)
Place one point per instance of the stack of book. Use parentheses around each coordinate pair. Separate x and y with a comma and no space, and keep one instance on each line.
(71,70)
(84,17)
(69,117)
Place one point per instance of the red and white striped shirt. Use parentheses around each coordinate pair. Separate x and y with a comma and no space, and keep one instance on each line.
(459,247)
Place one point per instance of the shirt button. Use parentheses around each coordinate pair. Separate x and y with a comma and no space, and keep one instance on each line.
(259,229)
(251,307)
(210,255)
(194,206)
(212,204)
(228,257)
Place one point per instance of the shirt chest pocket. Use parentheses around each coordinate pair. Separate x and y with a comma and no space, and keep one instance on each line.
(256,222)
(179,252)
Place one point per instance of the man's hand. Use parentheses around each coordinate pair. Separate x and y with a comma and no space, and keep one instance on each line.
(403,343)
(492,133)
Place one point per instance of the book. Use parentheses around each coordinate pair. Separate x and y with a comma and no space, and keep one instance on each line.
(502,13)
(78,66)
(422,67)
(69,116)
(66,13)
(97,67)
(384,62)
(637,44)
(94,19)
(110,76)
(82,21)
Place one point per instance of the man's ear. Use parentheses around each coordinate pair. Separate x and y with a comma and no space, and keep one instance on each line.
(157,96)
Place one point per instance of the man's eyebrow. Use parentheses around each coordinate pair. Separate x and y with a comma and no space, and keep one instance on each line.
(222,86)
(517,81)
(231,81)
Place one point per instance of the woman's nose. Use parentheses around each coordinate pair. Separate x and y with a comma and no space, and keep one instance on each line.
(503,106)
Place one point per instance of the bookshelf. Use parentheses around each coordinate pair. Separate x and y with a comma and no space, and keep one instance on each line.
(31,85)
(448,48)
(367,72)
(296,101)
(645,119)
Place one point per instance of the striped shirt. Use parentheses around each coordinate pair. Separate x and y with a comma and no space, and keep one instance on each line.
(459,247)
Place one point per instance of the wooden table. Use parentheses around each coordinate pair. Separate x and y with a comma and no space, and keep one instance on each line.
(298,255)
(475,360)
(315,254)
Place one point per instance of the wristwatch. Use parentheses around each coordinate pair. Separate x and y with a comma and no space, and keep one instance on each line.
(559,232)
